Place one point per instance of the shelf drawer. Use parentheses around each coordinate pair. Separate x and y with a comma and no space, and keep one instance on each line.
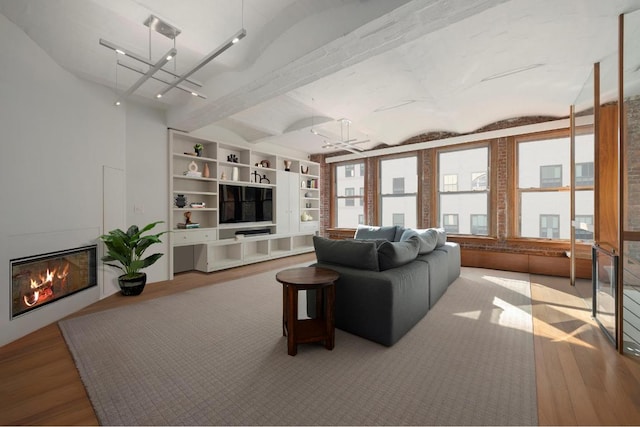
(188,237)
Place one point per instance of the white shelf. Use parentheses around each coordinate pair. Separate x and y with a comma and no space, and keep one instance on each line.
(214,245)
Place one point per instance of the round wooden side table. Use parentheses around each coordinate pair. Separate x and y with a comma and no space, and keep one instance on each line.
(322,327)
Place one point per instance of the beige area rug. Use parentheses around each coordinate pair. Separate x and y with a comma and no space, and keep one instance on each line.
(216,356)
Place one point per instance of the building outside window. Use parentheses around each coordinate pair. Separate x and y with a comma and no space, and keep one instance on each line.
(550,176)
(450,223)
(584,174)
(450,183)
(398,219)
(550,226)
(463,189)
(349,171)
(584,227)
(479,225)
(347,213)
(349,193)
(544,191)
(399,190)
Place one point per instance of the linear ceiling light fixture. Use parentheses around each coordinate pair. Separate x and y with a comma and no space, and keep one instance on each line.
(224,46)
(511,72)
(167,30)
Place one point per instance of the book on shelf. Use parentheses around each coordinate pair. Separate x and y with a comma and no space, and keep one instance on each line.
(187,226)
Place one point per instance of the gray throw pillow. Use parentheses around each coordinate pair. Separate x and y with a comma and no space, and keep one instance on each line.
(442,236)
(369,232)
(395,254)
(428,239)
(349,253)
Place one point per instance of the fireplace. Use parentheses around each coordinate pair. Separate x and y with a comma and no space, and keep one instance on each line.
(41,279)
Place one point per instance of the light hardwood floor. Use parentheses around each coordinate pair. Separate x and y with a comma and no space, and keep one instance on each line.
(581,379)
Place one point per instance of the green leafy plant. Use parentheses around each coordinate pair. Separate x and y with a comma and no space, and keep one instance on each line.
(125,250)
(198,147)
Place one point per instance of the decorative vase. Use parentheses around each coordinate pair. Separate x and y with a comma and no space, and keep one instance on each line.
(181,201)
(234,173)
(132,286)
(304,169)
(199,152)
(287,165)
(205,171)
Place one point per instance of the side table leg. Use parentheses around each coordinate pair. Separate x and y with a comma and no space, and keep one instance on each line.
(284,310)
(329,316)
(292,318)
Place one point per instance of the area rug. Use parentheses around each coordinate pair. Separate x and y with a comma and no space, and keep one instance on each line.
(216,356)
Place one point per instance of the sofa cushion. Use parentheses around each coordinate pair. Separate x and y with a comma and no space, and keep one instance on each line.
(367,232)
(350,253)
(399,231)
(442,236)
(428,239)
(396,254)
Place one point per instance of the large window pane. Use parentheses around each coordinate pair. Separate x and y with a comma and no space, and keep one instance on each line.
(398,191)
(463,196)
(349,206)
(544,182)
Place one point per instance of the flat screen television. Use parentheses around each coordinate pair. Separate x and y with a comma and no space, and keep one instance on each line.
(240,203)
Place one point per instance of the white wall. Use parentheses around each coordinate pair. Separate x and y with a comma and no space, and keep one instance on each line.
(58,132)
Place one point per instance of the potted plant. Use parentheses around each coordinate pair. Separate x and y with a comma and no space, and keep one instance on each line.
(124,252)
(198,149)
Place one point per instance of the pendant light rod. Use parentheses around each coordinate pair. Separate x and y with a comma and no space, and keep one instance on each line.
(181,87)
(226,45)
(142,59)
(165,58)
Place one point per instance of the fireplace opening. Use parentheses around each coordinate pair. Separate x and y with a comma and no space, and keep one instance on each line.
(41,279)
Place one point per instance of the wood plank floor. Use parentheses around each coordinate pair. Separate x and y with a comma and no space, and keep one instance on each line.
(581,379)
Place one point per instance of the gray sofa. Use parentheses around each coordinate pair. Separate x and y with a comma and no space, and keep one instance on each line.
(389,278)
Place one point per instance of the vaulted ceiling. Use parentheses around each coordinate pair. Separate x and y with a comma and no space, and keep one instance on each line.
(393,68)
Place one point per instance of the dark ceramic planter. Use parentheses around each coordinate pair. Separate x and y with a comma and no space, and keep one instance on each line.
(134,286)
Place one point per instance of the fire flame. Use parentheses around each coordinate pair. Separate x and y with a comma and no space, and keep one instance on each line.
(43,288)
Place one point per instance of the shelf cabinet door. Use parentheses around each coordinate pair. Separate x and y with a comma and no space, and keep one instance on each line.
(287,200)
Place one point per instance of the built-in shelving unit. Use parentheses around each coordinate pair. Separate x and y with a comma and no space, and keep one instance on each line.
(214,245)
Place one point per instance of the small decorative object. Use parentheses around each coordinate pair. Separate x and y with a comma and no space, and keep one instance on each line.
(223,176)
(124,252)
(287,165)
(193,171)
(304,169)
(196,205)
(305,216)
(308,204)
(303,184)
(307,194)
(198,149)
(264,178)
(205,171)
(234,173)
(187,218)
(181,201)
(232,158)
(265,164)
(256,176)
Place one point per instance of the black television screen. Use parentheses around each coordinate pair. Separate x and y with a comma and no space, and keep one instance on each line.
(240,203)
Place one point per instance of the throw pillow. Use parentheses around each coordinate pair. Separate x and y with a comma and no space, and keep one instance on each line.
(442,236)
(428,239)
(367,232)
(349,253)
(395,254)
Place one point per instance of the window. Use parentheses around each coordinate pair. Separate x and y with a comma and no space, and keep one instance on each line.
(464,189)
(349,171)
(349,201)
(543,202)
(361,168)
(398,185)
(551,176)
(584,174)
(450,223)
(479,224)
(346,212)
(398,219)
(450,183)
(399,190)
(584,227)
(550,226)
(479,181)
